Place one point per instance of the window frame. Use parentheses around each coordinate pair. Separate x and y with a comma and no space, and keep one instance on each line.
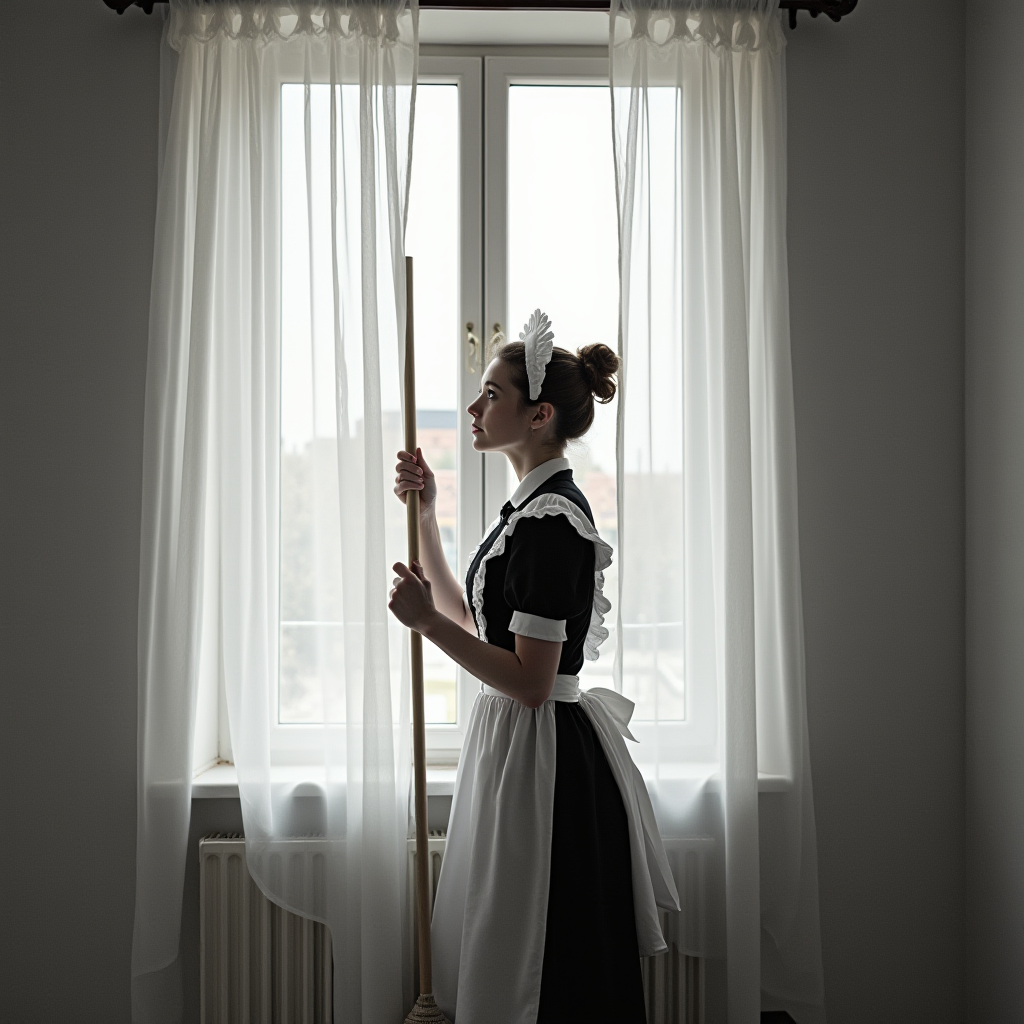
(483,78)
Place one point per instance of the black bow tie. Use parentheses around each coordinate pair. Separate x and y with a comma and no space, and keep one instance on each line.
(507,509)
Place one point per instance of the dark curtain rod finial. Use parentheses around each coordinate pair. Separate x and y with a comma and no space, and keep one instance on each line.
(834,9)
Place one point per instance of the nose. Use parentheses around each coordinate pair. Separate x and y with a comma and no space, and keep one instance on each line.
(472,408)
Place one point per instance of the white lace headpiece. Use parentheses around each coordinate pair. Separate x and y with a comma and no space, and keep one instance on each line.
(539,342)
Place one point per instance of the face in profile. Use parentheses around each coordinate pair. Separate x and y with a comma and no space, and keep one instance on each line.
(500,417)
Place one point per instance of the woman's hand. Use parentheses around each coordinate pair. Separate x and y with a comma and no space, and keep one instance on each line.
(411,601)
(415,475)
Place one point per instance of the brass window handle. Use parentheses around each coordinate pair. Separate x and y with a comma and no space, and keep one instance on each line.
(497,338)
(473,351)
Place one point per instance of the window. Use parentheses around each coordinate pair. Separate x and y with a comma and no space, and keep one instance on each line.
(310,635)
(512,206)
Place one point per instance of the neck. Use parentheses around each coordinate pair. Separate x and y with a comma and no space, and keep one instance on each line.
(523,461)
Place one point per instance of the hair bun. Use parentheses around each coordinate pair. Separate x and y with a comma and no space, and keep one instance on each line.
(600,365)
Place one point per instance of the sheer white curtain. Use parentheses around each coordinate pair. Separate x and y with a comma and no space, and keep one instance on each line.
(710,607)
(277,310)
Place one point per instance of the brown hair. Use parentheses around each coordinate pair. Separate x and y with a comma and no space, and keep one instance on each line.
(571,383)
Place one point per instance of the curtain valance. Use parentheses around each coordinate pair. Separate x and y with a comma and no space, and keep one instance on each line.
(204,21)
(746,25)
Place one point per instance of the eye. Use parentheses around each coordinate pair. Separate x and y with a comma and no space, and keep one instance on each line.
(490,393)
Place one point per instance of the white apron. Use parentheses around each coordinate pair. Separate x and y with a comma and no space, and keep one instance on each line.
(490,913)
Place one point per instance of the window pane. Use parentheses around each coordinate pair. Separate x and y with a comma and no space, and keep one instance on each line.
(312,637)
(563,258)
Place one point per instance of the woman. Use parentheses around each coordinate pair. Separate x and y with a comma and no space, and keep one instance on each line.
(554,867)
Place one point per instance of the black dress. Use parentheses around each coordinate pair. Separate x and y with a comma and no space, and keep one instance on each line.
(535,918)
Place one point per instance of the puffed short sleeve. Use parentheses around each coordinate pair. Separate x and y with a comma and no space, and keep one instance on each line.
(550,576)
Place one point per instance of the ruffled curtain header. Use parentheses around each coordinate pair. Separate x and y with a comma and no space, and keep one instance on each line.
(721,24)
(204,20)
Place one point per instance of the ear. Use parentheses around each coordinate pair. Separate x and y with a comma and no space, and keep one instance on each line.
(543,414)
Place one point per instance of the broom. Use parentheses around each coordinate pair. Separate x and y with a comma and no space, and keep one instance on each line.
(426,1010)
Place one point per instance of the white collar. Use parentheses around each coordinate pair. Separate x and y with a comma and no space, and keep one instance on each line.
(536,477)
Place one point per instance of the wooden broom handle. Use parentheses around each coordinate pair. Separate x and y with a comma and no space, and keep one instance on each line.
(419,735)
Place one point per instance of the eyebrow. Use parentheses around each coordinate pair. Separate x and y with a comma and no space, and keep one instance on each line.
(490,383)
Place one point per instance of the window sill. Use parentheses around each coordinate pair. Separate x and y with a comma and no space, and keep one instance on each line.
(220,782)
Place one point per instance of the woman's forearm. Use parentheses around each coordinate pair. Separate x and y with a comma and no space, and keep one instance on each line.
(445,587)
(526,674)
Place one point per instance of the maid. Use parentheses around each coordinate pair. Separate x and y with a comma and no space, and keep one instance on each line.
(554,868)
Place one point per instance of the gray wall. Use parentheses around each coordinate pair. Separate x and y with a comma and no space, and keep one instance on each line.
(876,279)
(78,115)
(876,208)
(995,510)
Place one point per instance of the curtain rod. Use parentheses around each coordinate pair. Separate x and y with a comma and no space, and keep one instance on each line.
(834,9)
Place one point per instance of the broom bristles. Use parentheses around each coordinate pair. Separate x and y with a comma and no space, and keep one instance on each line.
(426,1011)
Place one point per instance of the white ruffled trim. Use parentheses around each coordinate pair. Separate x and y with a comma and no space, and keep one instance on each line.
(553,505)
(471,604)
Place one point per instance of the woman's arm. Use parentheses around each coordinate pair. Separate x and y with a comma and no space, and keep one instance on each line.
(526,674)
(413,474)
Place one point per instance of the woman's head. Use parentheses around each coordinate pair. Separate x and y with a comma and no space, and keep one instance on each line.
(504,417)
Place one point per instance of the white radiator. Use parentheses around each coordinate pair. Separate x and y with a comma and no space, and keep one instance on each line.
(674,981)
(260,964)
